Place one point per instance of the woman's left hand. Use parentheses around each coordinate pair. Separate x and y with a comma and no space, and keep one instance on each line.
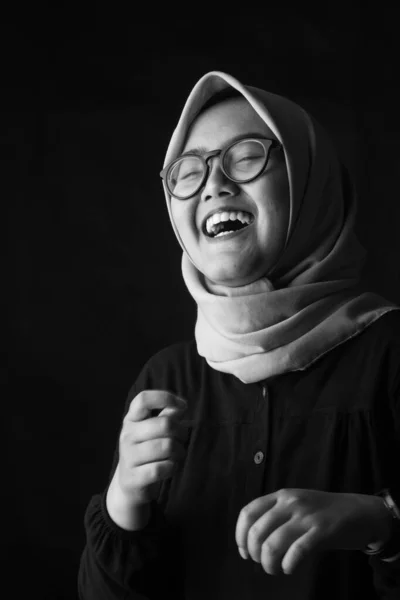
(282,529)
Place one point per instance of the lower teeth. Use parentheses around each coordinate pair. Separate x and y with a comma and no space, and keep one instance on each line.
(227,232)
(223,233)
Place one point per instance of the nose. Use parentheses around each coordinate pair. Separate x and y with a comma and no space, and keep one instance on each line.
(217,184)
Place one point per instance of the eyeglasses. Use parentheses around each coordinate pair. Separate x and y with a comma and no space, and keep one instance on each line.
(241,162)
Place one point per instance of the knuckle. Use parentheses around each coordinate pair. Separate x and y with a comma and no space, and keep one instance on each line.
(270,549)
(290,497)
(318,525)
(285,494)
(254,533)
(246,514)
(298,550)
(154,472)
(137,400)
(167,446)
(134,404)
(125,437)
(167,426)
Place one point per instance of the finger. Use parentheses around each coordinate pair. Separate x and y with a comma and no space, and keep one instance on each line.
(275,546)
(157,450)
(301,549)
(263,528)
(249,515)
(141,406)
(174,412)
(157,427)
(151,473)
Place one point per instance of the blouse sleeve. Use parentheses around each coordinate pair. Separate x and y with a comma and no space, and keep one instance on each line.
(117,564)
(127,565)
(387,574)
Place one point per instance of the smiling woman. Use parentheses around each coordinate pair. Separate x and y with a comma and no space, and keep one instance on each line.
(279,421)
(260,191)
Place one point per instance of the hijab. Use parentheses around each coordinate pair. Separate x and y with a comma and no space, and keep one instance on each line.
(311,300)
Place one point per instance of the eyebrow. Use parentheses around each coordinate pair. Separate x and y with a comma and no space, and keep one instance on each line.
(200,150)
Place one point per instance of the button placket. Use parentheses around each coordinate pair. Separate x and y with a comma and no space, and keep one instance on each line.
(258,446)
(259,454)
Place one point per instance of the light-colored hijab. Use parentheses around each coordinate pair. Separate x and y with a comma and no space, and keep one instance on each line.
(311,300)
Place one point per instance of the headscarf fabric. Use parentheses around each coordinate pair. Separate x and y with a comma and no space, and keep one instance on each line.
(312,299)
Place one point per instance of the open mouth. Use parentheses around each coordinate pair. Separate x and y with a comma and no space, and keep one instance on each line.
(224,223)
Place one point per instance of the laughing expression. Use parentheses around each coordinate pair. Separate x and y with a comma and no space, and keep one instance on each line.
(234,233)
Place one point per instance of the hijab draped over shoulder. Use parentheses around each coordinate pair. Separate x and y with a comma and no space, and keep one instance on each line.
(312,300)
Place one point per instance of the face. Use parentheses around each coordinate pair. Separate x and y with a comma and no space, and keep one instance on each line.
(249,253)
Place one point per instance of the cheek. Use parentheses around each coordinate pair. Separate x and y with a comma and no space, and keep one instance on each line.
(182,216)
(276,196)
(273,203)
(273,217)
(177,212)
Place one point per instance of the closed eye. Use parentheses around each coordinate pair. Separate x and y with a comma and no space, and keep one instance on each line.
(191,174)
(248,159)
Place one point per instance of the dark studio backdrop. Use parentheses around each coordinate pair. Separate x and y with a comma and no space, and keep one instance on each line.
(90,101)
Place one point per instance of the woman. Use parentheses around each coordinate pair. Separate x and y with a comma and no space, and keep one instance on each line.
(279,427)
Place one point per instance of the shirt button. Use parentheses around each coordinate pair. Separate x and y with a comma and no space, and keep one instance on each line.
(258,457)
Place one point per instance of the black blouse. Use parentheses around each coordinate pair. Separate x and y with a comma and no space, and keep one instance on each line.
(334,426)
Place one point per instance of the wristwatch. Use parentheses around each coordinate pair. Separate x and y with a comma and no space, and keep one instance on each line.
(390,551)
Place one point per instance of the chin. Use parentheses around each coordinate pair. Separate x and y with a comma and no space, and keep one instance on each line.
(230,279)
(234,277)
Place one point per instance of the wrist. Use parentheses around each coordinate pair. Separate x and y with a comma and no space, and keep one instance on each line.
(383,524)
(123,510)
(386,545)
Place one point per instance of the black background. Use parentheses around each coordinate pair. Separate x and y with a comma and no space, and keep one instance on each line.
(90,98)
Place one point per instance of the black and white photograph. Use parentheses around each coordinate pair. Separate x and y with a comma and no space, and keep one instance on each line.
(202,376)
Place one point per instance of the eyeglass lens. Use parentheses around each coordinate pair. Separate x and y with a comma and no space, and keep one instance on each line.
(244,160)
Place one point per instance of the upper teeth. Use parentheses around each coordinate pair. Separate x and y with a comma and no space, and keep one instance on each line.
(226,216)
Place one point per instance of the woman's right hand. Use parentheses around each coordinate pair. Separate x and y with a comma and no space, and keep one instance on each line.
(150,448)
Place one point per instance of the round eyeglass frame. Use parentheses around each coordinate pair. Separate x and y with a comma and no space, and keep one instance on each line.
(220,152)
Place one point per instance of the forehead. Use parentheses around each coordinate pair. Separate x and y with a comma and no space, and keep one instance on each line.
(224,121)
